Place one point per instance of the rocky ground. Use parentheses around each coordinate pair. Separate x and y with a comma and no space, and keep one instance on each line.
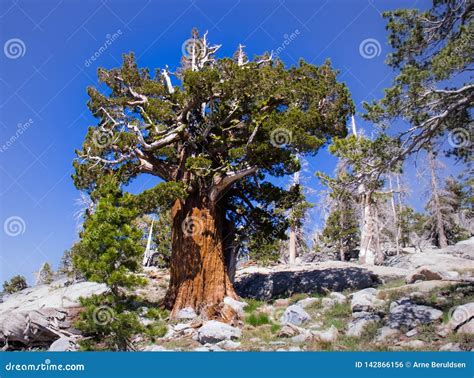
(419,301)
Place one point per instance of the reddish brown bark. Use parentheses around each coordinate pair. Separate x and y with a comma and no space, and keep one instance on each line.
(198,275)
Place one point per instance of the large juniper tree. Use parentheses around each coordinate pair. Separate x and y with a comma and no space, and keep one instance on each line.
(223,129)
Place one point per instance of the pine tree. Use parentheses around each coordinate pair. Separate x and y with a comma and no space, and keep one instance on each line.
(45,274)
(109,250)
(435,207)
(458,199)
(342,226)
(16,283)
(298,213)
(362,158)
(433,91)
(413,228)
(219,135)
(66,265)
(447,212)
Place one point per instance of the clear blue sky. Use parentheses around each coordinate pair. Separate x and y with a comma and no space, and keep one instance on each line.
(45,78)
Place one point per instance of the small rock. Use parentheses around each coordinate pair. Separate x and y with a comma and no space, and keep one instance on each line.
(213,348)
(359,322)
(302,337)
(307,302)
(169,332)
(294,349)
(411,332)
(424,274)
(181,327)
(214,331)
(328,302)
(189,332)
(196,323)
(62,344)
(282,302)
(328,335)
(442,330)
(338,297)
(155,348)
(363,300)
(467,328)
(417,295)
(461,314)
(276,343)
(316,326)
(385,333)
(413,344)
(236,305)
(186,313)
(452,275)
(288,330)
(295,315)
(410,315)
(145,321)
(201,349)
(450,347)
(229,345)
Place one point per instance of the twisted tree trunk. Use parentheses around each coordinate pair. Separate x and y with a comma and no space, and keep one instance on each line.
(199,279)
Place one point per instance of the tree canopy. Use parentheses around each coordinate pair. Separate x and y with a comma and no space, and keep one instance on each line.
(222,130)
(433,89)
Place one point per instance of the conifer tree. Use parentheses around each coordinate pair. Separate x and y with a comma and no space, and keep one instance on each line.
(449,217)
(45,274)
(342,226)
(218,133)
(363,159)
(109,250)
(16,283)
(433,90)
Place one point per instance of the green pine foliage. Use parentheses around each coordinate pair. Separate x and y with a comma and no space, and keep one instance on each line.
(47,274)
(16,283)
(432,56)
(341,229)
(109,250)
(108,323)
(66,265)
(412,226)
(218,120)
(455,210)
